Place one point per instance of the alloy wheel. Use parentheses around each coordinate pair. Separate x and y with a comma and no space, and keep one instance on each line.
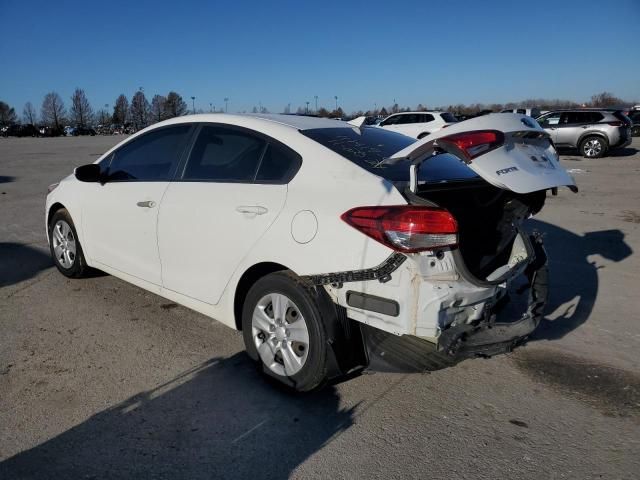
(592,148)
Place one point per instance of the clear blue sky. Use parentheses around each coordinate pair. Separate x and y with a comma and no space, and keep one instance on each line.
(279,52)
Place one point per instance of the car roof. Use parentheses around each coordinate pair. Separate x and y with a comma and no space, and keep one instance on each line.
(424,111)
(298,122)
(585,109)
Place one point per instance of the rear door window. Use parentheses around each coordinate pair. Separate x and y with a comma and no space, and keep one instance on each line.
(224,155)
(279,164)
(150,157)
(574,118)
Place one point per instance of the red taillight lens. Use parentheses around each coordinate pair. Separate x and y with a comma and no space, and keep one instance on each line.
(405,228)
(616,124)
(470,145)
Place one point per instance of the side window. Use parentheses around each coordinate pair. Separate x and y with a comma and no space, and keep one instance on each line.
(573,118)
(427,117)
(224,155)
(390,121)
(278,165)
(403,119)
(150,157)
(595,117)
(549,120)
(523,111)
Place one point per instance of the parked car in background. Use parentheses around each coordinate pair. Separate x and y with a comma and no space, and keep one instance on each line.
(315,237)
(592,131)
(418,124)
(78,131)
(531,112)
(46,131)
(18,130)
(634,116)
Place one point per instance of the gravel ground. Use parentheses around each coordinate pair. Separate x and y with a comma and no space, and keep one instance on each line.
(100,379)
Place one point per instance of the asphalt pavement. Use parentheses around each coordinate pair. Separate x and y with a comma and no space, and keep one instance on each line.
(100,379)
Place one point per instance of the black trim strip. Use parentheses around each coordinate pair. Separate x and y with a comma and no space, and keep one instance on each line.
(382,273)
(364,301)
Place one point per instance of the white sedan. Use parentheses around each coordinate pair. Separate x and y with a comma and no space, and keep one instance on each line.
(313,235)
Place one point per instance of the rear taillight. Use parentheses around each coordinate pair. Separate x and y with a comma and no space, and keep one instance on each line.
(470,145)
(405,228)
(616,124)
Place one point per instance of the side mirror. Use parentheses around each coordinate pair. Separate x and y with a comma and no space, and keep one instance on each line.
(88,173)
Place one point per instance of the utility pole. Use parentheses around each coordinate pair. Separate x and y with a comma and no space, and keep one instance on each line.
(193,103)
(336,97)
(316,97)
(210,107)
(307,106)
(226,104)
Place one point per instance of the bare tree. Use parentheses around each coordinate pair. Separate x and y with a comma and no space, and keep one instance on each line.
(81,111)
(605,99)
(29,114)
(7,114)
(121,110)
(53,111)
(139,110)
(158,107)
(175,106)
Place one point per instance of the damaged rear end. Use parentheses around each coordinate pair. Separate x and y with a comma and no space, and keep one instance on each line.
(496,273)
(463,272)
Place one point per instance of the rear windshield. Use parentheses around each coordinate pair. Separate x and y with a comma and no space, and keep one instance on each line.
(448,117)
(369,146)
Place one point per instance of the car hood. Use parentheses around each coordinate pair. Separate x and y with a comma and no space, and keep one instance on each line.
(526,162)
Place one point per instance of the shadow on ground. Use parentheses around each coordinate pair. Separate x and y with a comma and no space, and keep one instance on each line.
(6,179)
(219,420)
(622,152)
(21,262)
(573,277)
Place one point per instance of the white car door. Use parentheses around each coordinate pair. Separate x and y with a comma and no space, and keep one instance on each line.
(232,188)
(119,217)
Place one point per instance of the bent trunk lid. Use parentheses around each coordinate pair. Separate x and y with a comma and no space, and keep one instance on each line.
(526,162)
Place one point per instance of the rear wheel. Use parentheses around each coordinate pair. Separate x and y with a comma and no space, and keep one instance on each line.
(283,326)
(65,247)
(593,147)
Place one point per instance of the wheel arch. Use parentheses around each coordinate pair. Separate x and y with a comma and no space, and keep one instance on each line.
(52,211)
(594,133)
(247,280)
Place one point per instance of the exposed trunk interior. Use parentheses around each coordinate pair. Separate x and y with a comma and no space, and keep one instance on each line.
(487,219)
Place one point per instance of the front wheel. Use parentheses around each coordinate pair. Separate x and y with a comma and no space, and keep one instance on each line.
(593,147)
(283,326)
(65,246)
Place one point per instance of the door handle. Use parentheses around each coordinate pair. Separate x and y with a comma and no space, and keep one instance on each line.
(252,209)
(146,204)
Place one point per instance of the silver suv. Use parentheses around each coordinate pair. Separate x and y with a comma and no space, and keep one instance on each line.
(592,131)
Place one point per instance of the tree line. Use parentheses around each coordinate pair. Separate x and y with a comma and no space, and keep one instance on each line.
(139,112)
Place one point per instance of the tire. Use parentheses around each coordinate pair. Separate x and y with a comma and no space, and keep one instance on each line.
(65,247)
(422,135)
(266,332)
(593,147)
(635,131)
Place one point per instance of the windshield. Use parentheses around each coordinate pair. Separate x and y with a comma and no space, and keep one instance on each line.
(367,147)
